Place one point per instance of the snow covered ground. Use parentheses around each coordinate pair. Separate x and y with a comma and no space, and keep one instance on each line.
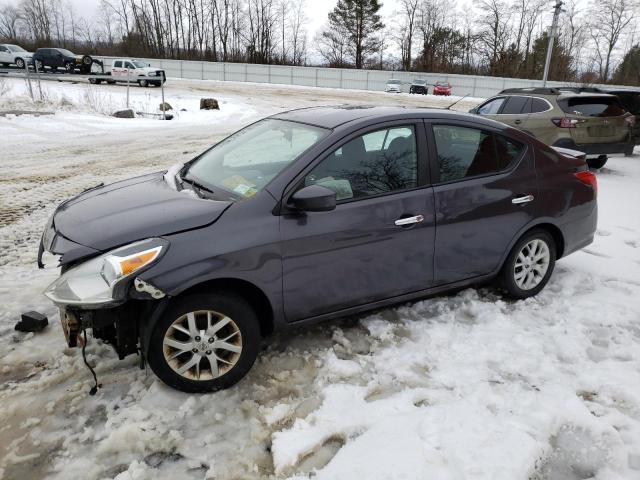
(468,386)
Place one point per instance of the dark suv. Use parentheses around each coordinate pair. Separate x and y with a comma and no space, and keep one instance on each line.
(56,58)
(305,216)
(595,123)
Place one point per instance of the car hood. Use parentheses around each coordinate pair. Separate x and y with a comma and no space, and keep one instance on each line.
(106,217)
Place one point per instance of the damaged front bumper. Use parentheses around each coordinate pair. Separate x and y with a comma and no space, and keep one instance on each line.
(102,291)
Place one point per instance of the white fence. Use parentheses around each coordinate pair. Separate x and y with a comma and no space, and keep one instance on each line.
(472,85)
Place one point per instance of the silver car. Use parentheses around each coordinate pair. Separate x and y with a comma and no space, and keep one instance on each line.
(14,55)
(393,86)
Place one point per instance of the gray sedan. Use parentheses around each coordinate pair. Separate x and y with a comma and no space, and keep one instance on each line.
(306,216)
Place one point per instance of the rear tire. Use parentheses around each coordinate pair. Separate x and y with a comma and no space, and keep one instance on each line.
(598,162)
(179,342)
(529,265)
(629,152)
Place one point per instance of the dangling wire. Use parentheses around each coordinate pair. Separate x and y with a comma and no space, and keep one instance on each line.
(96,385)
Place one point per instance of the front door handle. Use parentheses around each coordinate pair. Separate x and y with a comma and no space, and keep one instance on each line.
(522,199)
(517,121)
(401,222)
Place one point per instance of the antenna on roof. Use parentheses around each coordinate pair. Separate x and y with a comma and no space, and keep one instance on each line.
(459,100)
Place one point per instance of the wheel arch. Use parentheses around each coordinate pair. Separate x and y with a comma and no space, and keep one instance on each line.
(550,227)
(247,290)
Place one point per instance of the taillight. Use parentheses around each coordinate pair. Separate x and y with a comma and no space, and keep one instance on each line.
(565,122)
(588,178)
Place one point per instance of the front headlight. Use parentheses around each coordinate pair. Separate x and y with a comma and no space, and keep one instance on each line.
(99,281)
(151,74)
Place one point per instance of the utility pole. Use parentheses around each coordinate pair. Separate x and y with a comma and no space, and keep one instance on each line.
(552,36)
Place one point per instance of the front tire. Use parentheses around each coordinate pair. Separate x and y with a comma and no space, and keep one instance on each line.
(69,67)
(39,65)
(529,265)
(143,83)
(205,343)
(20,63)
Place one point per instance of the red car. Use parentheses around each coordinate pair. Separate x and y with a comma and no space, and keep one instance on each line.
(442,88)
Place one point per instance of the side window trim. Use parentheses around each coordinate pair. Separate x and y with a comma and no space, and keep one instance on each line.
(549,106)
(433,152)
(421,151)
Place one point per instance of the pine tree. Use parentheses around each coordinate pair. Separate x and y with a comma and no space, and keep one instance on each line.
(360,20)
(628,72)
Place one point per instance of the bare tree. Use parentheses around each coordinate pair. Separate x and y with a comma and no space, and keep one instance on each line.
(297,27)
(493,36)
(407,28)
(10,18)
(608,21)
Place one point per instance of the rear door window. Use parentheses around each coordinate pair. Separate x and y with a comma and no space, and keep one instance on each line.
(491,107)
(118,64)
(516,106)
(465,152)
(592,106)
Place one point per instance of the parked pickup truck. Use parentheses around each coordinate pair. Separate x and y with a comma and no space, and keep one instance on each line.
(134,71)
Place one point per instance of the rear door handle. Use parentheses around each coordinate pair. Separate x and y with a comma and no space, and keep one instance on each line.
(522,199)
(401,222)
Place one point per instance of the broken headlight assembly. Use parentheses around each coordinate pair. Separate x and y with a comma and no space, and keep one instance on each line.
(101,281)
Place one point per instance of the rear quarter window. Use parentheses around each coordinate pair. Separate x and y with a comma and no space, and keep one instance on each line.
(538,105)
(592,106)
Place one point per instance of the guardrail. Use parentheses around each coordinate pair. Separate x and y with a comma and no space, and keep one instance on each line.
(472,85)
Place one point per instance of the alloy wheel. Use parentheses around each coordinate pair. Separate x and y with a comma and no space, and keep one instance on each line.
(202,345)
(531,264)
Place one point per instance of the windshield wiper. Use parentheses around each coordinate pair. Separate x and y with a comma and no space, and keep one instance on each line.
(197,187)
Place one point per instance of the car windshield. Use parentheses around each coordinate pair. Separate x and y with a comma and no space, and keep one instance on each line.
(66,53)
(139,64)
(247,160)
(592,106)
(442,84)
(15,48)
(419,82)
(393,82)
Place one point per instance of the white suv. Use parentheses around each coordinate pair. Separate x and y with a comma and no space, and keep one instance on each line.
(14,55)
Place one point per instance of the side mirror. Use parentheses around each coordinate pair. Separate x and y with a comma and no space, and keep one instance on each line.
(474,111)
(314,198)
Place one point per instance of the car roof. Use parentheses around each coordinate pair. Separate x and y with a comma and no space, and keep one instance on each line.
(334,116)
